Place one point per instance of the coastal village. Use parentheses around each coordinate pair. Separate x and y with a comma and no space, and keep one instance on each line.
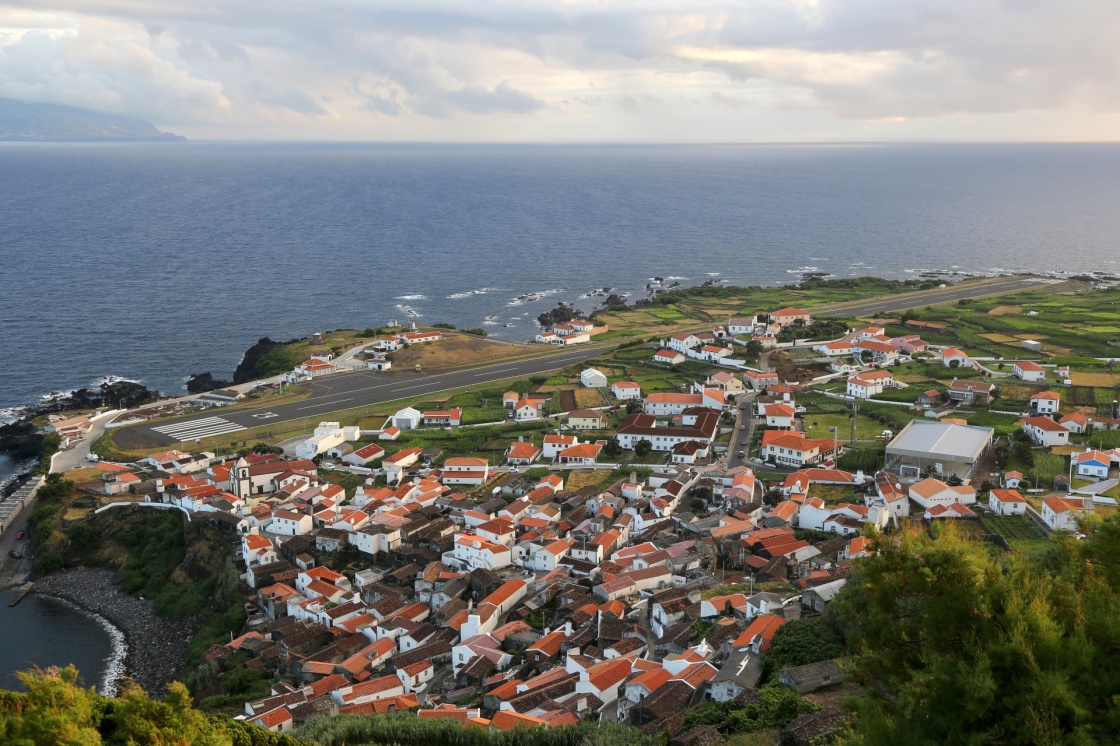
(626,537)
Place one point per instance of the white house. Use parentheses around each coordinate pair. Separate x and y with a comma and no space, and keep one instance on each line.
(290,523)
(444,417)
(683,342)
(625,390)
(547,558)
(409,338)
(951,357)
(522,453)
(1094,464)
(364,455)
(553,444)
(1046,402)
(668,357)
(869,383)
(313,368)
(671,403)
(593,379)
(741,325)
(526,410)
(702,428)
(474,552)
(396,464)
(1029,371)
(793,449)
(1060,513)
(1007,502)
(759,380)
(932,491)
(787,316)
(878,352)
(780,416)
(1045,432)
(834,349)
(327,436)
(583,454)
(465,470)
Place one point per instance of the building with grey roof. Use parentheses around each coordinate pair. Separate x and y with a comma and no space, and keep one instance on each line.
(950,449)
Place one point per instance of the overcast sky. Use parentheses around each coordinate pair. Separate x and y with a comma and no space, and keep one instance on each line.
(553,70)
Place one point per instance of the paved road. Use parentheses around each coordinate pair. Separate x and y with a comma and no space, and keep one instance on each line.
(15,571)
(888,305)
(75,456)
(348,390)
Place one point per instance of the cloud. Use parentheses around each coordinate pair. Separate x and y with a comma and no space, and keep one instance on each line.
(444,67)
(502,98)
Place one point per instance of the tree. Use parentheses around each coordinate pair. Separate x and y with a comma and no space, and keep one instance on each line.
(798,643)
(773,496)
(55,710)
(633,406)
(954,481)
(612,449)
(960,644)
(642,448)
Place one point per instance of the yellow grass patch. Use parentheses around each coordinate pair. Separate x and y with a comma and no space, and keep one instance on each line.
(76,514)
(456,350)
(84,474)
(1005,310)
(999,338)
(576,480)
(588,398)
(1104,379)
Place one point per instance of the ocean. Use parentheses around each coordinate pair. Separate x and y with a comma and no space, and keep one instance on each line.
(46,632)
(154,261)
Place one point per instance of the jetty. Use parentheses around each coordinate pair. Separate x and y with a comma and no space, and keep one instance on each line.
(24,589)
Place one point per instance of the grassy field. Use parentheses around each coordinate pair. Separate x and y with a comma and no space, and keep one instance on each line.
(817,425)
(457,350)
(1013,527)
(693,307)
(1069,318)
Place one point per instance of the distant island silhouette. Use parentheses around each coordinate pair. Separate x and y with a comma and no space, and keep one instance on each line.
(23,121)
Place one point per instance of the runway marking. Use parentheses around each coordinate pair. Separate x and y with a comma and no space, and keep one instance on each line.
(313,406)
(204,428)
(210,426)
(503,370)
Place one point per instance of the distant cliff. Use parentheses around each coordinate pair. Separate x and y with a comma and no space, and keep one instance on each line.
(28,122)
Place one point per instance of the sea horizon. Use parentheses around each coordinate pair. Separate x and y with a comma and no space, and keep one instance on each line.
(154,263)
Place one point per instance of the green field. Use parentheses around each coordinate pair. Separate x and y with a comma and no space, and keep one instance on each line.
(1013,527)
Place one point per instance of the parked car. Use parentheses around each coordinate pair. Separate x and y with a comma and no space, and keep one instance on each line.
(742,427)
(740,454)
(20,534)
(14,554)
(742,442)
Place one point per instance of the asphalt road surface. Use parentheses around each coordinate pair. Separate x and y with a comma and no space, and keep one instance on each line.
(348,390)
(888,305)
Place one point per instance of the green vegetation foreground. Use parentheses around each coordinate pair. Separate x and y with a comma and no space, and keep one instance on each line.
(55,710)
(957,642)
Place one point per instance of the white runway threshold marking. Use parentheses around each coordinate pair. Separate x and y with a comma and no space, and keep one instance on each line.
(204,428)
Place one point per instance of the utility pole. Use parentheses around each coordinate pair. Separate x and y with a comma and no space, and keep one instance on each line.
(855,411)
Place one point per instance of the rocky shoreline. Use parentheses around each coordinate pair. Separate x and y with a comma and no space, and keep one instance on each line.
(156,648)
